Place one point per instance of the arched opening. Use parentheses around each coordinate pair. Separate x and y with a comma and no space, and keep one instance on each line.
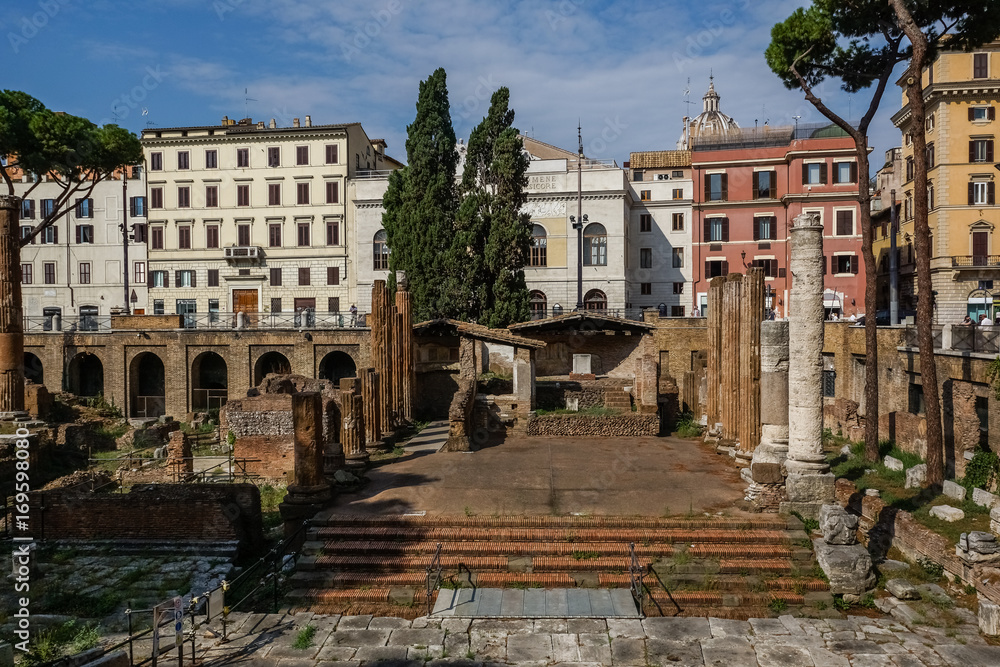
(85,375)
(539,246)
(270,362)
(595,300)
(538,305)
(337,365)
(595,245)
(33,370)
(146,386)
(209,382)
(380,251)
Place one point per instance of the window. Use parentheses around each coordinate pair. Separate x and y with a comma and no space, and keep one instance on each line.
(137,207)
(275,277)
(274,194)
(50,235)
(211,196)
(909,169)
(678,258)
(765,185)
(304,278)
(929,123)
(716,230)
(930,155)
(213,310)
(84,273)
(980,65)
(274,156)
(187,308)
(715,268)
(301,193)
(186,278)
(85,208)
(139,273)
(213,279)
(982,193)
(211,236)
(158,306)
(183,197)
(88,318)
(48,206)
(982,113)
(184,237)
(274,235)
(156,238)
(765,228)
(678,288)
(716,187)
(26,232)
(183,161)
(845,263)
(595,300)
(333,275)
(242,195)
(302,234)
(595,245)
(211,159)
(770,266)
(637,175)
(156,161)
(645,258)
(27,209)
(49,273)
(301,155)
(243,234)
(26,274)
(644,195)
(645,289)
(814,173)
(332,192)
(380,251)
(676,311)
(156,197)
(242,158)
(331,154)
(845,223)
(981,150)
(645,223)
(275,304)
(84,233)
(332,232)
(678,193)
(539,247)
(845,172)
(333,304)
(829,384)
(677,222)
(158,279)
(930,196)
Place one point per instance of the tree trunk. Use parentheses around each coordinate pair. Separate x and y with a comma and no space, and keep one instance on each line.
(925,296)
(871,307)
(11,322)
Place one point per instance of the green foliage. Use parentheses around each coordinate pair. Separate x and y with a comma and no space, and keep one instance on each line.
(970,589)
(304,639)
(495,383)
(808,525)
(840,604)
(686,426)
(777,605)
(104,408)
(585,555)
(80,605)
(932,568)
(113,432)
(982,471)
(64,640)
(421,201)
(230,438)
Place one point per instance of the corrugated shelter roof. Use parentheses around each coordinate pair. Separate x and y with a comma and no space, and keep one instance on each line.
(478,331)
(583,318)
(659,159)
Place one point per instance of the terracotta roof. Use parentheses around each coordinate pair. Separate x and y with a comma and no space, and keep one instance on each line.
(478,331)
(661,159)
(600,322)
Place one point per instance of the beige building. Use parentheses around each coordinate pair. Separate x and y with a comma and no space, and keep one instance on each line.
(250,217)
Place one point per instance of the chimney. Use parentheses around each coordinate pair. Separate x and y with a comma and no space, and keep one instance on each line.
(295,122)
(309,121)
(225,121)
(260,125)
(272,124)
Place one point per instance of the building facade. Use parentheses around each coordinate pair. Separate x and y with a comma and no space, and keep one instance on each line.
(247,217)
(962,92)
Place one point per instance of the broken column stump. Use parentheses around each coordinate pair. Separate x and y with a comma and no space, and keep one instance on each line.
(311,491)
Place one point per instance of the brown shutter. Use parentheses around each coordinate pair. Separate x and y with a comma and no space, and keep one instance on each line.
(725,229)
(708,225)
(781,272)
(708,270)
(989,151)
(854,263)
(756,221)
(149,277)
(194,279)
(991,113)
(972,114)
(177,278)
(854,172)
(805,174)
(972,151)
(78,232)
(725,267)
(822,173)
(756,189)
(773,190)
(991,193)
(774,228)
(708,188)
(725,187)
(166,279)
(972,193)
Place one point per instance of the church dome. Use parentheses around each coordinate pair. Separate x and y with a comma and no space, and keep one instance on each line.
(711,122)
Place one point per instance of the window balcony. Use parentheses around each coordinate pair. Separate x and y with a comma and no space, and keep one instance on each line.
(975,261)
(245,253)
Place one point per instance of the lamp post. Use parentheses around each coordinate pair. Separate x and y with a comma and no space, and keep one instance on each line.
(579,219)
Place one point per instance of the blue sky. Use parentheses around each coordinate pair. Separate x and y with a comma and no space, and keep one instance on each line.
(620,67)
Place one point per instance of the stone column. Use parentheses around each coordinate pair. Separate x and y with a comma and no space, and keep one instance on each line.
(398,369)
(179,462)
(404,331)
(368,380)
(767,468)
(809,483)
(381,337)
(352,432)
(333,453)
(750,316)
(311,490)
(729,391)
(714,359)
(11,313)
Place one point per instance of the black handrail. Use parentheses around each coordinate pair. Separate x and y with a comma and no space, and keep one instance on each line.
(431,587)
(635,575)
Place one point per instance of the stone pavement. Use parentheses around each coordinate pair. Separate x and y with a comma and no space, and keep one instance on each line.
(267,640)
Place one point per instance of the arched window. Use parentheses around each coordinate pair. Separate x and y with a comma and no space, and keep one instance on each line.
(557,310)
(538,246)
(380,251)
(595,245)
(595,300)
(537,304)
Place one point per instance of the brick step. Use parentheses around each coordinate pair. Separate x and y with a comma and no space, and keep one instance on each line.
(713,598)
(746,567)
(728,613)
(726,583)
(636,535)
(617,522)
(740,551)
(484,548)
(351,608)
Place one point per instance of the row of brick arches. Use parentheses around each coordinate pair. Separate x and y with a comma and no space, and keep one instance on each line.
(209,378)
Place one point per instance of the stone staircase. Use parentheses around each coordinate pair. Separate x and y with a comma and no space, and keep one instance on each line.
(616,398)
(727,568)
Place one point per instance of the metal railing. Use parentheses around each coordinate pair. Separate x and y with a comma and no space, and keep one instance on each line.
(636,573)
(960,261)
(975,339)
(56,323)
(149,406)
(208,399)
(433,579)
(302,319)
(910,338)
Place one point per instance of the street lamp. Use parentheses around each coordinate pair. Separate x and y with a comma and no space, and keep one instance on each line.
(578,224)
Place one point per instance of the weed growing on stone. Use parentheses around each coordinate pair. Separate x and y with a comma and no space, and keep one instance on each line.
(682,558)
(585,555)
(970,589)
(468,511)
(777,605)
(66,639)
(687,427)
(304,639)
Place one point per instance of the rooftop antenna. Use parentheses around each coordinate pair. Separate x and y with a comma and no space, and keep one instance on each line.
(246,102)
(115,114)
(796,126)
(687,96)
(149,121)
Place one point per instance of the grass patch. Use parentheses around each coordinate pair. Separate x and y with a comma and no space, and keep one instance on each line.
(113,432)
(82,606)
(270,497)
(777,605)
(64,640)
(686,426)
(305,638)
(585,555)
(397,452)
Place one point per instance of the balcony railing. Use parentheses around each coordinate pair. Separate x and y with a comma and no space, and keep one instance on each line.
(937,335)
(84,323)
(975,339)
(975,261)
(243,252)
(303,319)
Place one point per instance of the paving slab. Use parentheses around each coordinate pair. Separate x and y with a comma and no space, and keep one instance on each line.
(512,602)
(358,638)
(529,648)
(626,627)
(783,655)
(856,647)
(411,637)
(388,623)
(565,648)
(552,626)
(907,660)
(555,603)
(677,629)
(595,647)
(663,652)
(582,626)
(534,603)
(628,651)
(578,602)
(728,652)
(601,603)
(336,653)
(970,656)
(825,658)
(380,653)
(768,626)
(724,627)
(354,622)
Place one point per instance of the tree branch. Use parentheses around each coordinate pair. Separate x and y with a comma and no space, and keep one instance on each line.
(818,103)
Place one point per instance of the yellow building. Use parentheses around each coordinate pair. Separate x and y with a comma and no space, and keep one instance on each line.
(963,92)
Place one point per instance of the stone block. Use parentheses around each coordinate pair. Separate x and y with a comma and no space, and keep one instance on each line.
(982,542)
(916,476)
(902,589)
(889,565)
(984,498)
(892,463)
(767,473)
(954,490)
(581,364)
(989,617)
(810,488)
(995,520)
(837,525)
(947,513)
(849,568)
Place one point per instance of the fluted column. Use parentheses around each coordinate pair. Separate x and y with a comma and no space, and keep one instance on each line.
(404,331)
(381,324)
(11,312)
(751,314)
(732,292)
(310,491)
(767,468)
(352,424)
(398,371)
(714,360)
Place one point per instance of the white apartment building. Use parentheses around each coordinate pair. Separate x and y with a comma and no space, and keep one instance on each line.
(660,261)
(72,274)
(247,217)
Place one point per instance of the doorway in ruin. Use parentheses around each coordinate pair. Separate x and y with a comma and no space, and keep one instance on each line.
(146,386)
(85,375)
(337,365)
(270,362)
(33,368)
(209,382)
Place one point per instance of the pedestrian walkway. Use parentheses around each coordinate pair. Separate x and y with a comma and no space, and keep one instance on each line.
(431,439)
(535,603)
